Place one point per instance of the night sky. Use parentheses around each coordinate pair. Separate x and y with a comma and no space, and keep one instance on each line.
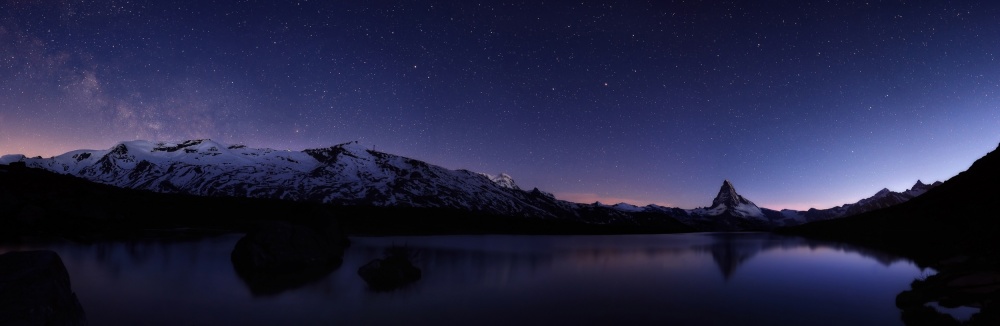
(799,103)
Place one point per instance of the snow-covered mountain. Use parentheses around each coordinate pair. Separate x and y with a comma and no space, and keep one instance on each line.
(729,202)
(503,180)
(347,174)
(731,211)
(882,199)
(350,174)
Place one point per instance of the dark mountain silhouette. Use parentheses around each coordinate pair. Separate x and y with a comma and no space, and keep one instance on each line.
(963,212)
(953,229)
(882,199)
(37,202)
(350,174)
(731,211)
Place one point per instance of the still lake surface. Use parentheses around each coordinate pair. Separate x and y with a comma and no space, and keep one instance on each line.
(678,279)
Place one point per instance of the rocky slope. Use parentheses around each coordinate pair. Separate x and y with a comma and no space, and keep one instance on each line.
(962,207)
(343,175)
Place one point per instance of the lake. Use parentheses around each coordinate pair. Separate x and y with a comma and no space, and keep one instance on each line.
(675,279)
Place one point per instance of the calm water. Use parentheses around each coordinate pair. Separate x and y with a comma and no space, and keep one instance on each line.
(689,279)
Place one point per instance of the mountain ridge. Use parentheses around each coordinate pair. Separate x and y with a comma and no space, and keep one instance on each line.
(351,174)
(346,174)
(959,207)
(952,229)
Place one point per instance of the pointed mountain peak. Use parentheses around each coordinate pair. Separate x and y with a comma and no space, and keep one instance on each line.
(120,149)
(728,200)
(921,186)
(728,196)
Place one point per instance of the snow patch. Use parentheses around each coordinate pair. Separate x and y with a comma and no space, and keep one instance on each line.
(11,158)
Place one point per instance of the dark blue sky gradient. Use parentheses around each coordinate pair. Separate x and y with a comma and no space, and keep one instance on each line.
(799,103)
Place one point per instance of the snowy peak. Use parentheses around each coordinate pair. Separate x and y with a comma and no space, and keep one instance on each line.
(11,158)
(344,174)
(353,149)
(189,146)
(503,180)
(728,197)
(882,193)
(333,153)
(728,201)
(201,147)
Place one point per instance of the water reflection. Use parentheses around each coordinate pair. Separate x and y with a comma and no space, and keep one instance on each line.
(481,258)
(730,250)
(692,279)
(271,283)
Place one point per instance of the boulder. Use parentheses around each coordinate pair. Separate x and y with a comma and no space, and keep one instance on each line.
(35,290)
(969,285)
(279,256)
(391,272)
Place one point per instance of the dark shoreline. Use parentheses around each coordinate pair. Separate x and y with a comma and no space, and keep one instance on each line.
(39,203)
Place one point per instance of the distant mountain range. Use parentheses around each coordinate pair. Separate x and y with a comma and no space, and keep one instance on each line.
(350,174)
(731,211)
(958,213)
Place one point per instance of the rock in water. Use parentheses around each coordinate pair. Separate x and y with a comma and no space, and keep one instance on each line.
(284,246)
(391,272)
(35,290)
(280,256)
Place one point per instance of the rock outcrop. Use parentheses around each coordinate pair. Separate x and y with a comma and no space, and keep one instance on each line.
(279,256)
(35,290)
(394,271)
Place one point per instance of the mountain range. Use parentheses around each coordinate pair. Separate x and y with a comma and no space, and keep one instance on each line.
(350,174)
(958,212)
(951,229)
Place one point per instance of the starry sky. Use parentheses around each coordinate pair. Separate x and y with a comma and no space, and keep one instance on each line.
(799,103)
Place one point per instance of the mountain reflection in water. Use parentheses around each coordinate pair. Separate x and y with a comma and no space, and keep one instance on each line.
(692,279)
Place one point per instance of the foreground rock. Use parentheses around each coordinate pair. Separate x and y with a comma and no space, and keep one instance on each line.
(961,282)
(281,256)
(391,272)
(35,290)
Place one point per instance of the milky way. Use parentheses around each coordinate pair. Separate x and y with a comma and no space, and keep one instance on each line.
(799,103)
